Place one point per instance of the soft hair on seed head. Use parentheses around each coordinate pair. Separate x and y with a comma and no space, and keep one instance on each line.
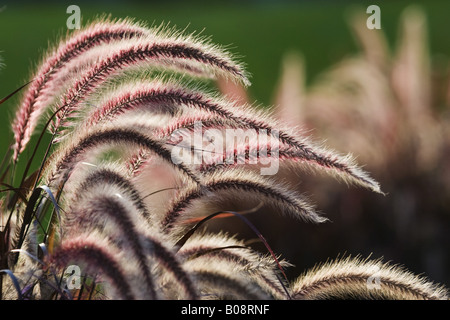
(357,278)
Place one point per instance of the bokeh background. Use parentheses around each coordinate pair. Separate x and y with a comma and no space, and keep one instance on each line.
(312,53)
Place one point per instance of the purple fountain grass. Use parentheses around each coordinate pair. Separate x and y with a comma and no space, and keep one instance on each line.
(175,94)
(188,120)
(109,177)
(98,257)
(127,196)
(293,147)
(322,158)
(224,247)
(318,157)
(101,32)
(102,210)
(114,204)
(152,96)
(222,279)
(366,279)
(70,156)
(234,183)
(387,105)
(152,47)
(174,269)
(140,52)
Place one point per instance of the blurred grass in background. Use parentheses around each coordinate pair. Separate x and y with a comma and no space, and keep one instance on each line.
(259,32)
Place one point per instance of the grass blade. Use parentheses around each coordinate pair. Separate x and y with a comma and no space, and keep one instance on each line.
(15,282)
(183,240)
(14,92)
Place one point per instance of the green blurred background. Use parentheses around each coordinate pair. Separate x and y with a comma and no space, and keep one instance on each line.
(259,32)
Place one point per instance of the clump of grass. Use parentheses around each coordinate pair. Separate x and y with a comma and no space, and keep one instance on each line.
(112,197)
(387,104)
